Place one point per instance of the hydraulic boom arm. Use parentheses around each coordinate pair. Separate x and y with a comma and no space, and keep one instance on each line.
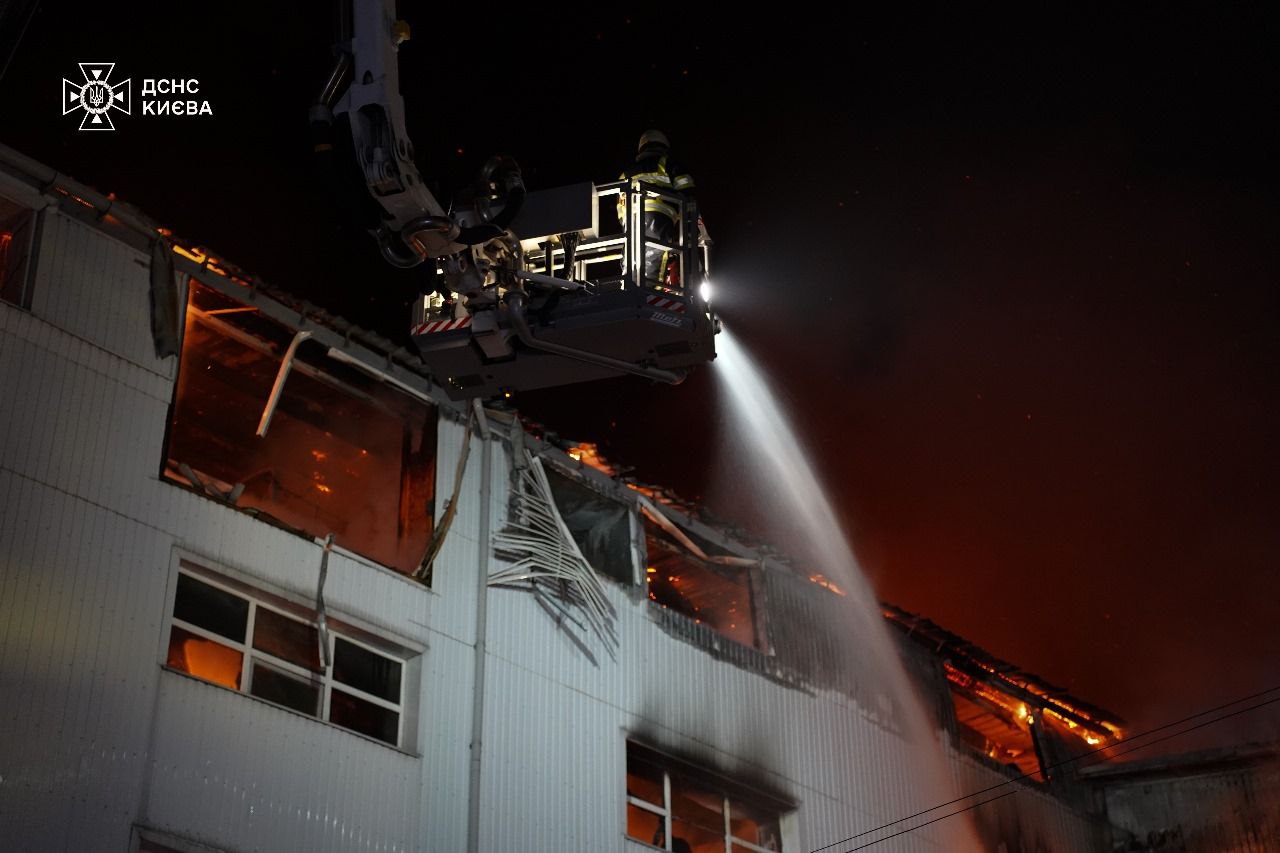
(493,323)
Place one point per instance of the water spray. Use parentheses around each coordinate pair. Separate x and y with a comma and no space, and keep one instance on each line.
(775,457)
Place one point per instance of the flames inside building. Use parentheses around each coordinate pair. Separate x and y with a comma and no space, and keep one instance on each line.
(342,454)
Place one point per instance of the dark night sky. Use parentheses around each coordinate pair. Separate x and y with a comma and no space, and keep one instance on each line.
(1017,277)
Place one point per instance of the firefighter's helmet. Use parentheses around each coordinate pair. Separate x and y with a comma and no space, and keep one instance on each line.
(653,139)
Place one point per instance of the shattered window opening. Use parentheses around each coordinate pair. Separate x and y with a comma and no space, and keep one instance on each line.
(601,527)
(208,639)
(720,597)
(995,725)
(344,454)
(702,816)
(17,224)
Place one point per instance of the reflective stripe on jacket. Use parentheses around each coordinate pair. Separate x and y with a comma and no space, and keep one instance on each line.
(655,172)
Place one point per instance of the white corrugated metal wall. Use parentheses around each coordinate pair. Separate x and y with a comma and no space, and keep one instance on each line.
(557,718)
(97,735)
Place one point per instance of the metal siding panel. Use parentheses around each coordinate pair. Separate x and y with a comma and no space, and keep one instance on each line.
(73,739)
(48,264)
(240,773)
(1223,808)
(446,702)
(52,394)
(1031,819)
(726,713)
(76,428)
(73,430)
(16,371)
(8,414)
(454,578)
(98,289)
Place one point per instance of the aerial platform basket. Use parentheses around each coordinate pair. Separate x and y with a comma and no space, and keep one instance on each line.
(573,301)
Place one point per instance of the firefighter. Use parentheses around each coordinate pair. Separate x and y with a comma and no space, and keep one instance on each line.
(661,218)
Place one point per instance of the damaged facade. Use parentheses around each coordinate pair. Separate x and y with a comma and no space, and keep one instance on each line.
(262,587)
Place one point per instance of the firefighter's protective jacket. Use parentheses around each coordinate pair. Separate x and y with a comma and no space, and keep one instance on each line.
(659,170)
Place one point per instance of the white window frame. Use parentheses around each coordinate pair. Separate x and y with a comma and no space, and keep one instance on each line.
(434,413)
(664,812)
(248,655)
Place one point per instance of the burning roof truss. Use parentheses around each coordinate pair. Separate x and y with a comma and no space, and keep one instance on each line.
(1003,684)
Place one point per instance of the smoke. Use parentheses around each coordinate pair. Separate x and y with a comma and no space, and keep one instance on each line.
(759,446)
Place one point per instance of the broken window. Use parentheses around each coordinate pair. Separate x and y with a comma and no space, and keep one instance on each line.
(249,642)
(343,454)
(994,724)
(601,527)
(715,595)
(676,807)
(17,225)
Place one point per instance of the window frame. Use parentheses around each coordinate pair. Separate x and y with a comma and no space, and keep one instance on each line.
(325,374)
(557,469)
(35,227)
(749,580)
(665,812)
(324,680)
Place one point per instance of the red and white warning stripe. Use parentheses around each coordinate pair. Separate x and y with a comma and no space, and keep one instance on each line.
(665,303)
(442,326)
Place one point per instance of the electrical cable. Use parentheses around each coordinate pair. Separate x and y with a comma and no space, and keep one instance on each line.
(1065,762)
(993,799)
(28,14)
(1184,731)
(934,820)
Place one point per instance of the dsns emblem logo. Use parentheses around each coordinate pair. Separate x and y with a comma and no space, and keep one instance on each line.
(97,96)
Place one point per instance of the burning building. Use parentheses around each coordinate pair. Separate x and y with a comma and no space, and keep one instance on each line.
(264,587)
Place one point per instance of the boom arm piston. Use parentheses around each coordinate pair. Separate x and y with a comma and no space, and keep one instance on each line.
(362,97)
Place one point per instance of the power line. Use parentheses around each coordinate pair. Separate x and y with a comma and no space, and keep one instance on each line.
(935,820)
(1187,729)
(993,799)
(1070,761)
(20,28)
(1059,764)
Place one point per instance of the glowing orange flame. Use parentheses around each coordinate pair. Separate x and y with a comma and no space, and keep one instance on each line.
(1026,716)
(589,454)
(825,582)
